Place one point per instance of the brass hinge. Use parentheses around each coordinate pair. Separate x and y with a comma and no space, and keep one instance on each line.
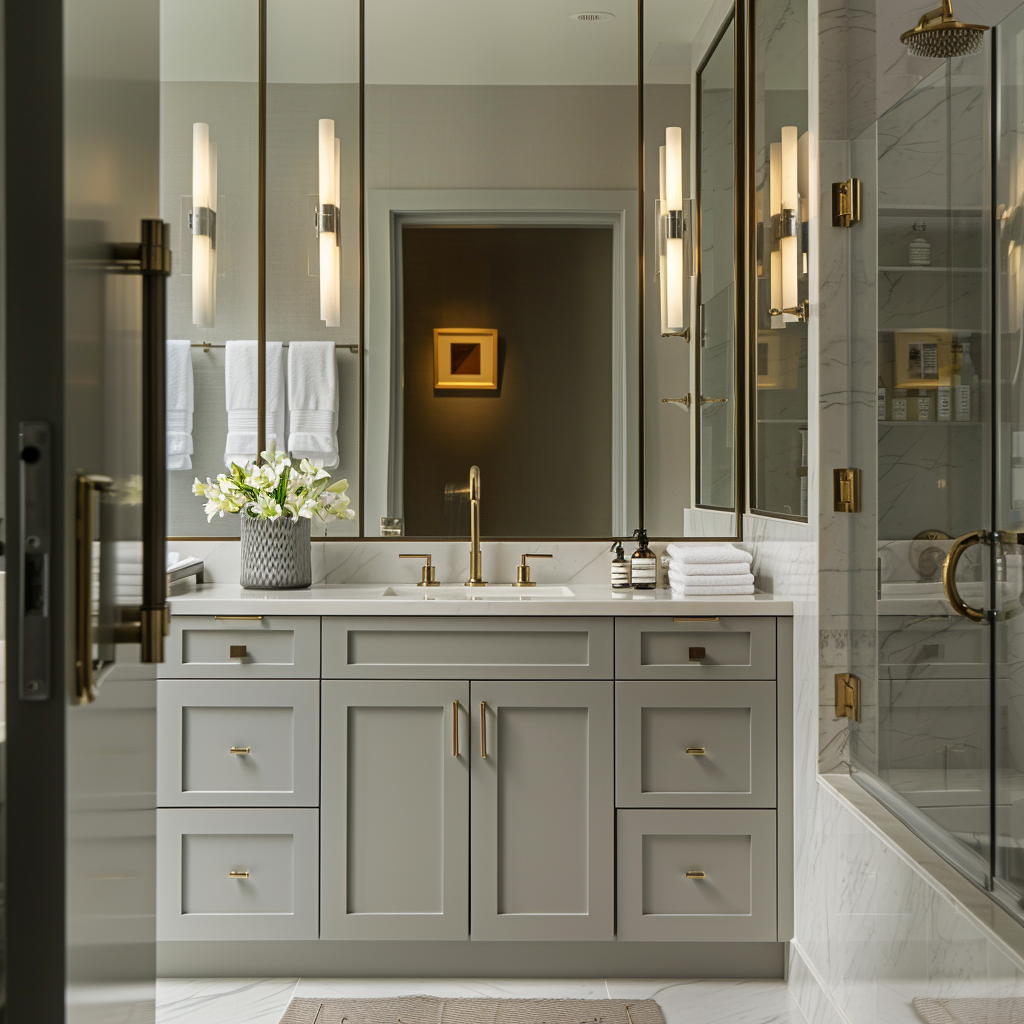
(845,203)
(845,490)
(847,696)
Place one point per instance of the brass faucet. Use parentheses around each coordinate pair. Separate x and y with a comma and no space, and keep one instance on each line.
(475,558)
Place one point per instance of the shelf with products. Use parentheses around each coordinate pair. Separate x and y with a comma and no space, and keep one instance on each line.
(930,423)
(931,270)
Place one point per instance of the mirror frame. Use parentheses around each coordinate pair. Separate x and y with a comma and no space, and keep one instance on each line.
(740,14)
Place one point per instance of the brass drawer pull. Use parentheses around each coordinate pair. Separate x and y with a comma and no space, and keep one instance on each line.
(698,653)
(696,874)
(695,618)
(455,728)
(483,728)
(696,750)
(239,618)
(248,750)
(238,651)
(238,874)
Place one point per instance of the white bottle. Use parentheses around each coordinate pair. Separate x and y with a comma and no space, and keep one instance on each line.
(881,400)
(924,405)
(920,254)
(944,404)
(899,404)
(967,390)
(802,471)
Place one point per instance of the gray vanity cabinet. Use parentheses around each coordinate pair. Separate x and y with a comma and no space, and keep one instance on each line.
(542,826)
(394,811)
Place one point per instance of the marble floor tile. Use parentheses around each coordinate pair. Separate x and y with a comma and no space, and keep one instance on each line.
(451,988)
(714,1002)
(223,1000)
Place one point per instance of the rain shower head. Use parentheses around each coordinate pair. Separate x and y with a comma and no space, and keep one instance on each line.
(939,34)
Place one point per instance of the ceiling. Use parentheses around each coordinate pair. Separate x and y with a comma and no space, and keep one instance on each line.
(429,42)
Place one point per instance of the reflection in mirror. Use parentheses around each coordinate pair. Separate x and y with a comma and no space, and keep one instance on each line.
(782,203)
(312,249)
(715,410)
(209,102)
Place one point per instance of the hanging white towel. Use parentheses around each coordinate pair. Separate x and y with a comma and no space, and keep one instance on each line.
(705,554)
(240,377)
(180,404)
(313,402)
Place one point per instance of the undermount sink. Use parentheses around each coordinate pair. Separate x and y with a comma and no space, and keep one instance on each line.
(495,592)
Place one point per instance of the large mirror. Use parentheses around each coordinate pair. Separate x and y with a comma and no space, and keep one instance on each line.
(454,263)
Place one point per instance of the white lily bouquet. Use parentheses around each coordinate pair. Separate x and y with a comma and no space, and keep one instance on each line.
(275,502)
(274,490)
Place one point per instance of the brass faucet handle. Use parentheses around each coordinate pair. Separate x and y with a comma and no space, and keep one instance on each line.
(523,571)
(428,576)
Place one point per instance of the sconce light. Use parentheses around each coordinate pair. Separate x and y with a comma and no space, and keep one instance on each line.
(328,224)
(674,216)
(789,206)
(202,220)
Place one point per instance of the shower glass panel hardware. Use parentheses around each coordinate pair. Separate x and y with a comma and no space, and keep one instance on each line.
(939,291)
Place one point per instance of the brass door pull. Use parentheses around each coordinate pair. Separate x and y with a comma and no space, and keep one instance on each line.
(239,618)
(698,653)
(483,728)
(696,874)
(455,728)
(695,618)
(241,750)
(238,874)
(696,751)
(86,665)
(952,560)
(236,651)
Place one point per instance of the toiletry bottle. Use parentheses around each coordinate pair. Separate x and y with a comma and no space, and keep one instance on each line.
(943,404)
(924,405)
(802,470)
(881,399)
(899,404)
(643,566)
(920,247)
(620,568)
(968,392)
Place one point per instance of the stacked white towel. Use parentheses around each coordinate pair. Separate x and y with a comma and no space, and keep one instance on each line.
(180,404)
(240,386)
(313,402)
(709,570)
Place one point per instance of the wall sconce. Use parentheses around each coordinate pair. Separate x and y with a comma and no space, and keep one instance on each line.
(674,216)
(328,224)
(202,220)
(789,206)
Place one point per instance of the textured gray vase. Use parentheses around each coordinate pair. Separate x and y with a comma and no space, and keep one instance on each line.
(275,554)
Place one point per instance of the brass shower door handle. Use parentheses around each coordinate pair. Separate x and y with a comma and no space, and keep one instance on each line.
(949,565)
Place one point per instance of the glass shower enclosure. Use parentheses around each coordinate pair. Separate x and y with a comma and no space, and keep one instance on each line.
(938,343)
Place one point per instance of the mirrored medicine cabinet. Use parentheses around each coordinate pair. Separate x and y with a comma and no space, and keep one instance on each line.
(534,248)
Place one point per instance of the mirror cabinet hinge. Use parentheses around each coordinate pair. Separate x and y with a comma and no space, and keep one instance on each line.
(845,203)
(847,696)
(846,490)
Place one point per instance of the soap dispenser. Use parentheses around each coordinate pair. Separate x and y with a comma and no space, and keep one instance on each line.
(620,568)
(643,566)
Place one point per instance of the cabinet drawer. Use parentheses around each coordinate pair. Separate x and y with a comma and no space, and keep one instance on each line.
(413,647)
(243,647)
(238,743)
(236,874)
(695,744)
(665,648)
(691,876)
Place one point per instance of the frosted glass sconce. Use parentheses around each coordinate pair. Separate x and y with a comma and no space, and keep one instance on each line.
(788,195)
(202,220)
(675,240)
(328,224)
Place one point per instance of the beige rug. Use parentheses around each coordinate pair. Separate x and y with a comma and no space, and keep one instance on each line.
(970,1011)
(430,1010)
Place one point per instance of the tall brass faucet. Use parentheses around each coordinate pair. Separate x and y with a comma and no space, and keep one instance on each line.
(475,558)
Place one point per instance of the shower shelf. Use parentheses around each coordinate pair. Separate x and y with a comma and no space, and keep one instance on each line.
(929,211)
(929,423)
(933,270)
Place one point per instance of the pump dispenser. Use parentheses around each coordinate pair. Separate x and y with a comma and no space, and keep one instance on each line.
(643,566)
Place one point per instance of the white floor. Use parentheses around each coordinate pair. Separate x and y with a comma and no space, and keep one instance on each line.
(249,1001)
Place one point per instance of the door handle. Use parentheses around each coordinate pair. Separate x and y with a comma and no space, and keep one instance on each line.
(87,490)
(455,728)
(483,729)
(952,560)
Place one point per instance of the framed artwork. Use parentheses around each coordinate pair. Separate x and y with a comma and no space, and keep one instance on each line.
(465,357)
(924,359)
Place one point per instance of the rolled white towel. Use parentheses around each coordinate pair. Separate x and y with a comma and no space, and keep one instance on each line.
(708,568)
(744,579)
(708,554)
(714,591)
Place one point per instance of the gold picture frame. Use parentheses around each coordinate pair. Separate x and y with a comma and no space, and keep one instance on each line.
(466,358)
(923,359)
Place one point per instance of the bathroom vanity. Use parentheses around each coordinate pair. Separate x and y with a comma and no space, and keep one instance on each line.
(590,776)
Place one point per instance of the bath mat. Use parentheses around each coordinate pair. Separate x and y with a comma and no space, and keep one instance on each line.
(970,1011)
(431,1010)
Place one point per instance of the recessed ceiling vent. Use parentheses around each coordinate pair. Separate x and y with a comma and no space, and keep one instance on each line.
(589,16)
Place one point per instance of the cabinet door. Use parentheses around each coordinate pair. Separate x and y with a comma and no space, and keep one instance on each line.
(542,820)
(394,809)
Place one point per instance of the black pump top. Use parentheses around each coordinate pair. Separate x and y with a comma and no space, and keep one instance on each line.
(620,555)
(641,535)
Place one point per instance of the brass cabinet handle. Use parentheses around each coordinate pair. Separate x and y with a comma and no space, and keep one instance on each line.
(483,728)
(698,653)
(239,618)
(86,490)
(241,750)
(949,565)
(236,651)
(696,874)
(695,618)
(696,751)
(238,874)
(455,728)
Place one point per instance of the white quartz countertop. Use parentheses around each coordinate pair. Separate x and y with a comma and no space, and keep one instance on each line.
(502,599)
